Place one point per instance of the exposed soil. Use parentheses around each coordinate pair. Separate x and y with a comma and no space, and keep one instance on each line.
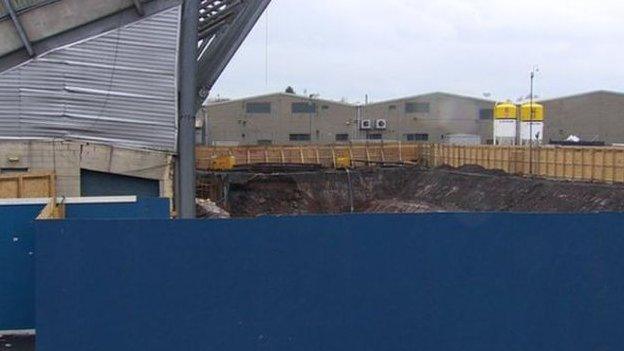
(412,190)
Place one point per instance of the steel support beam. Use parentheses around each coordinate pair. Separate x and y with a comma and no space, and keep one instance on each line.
(139,7)
(18,26)
(220,52)
(188,109)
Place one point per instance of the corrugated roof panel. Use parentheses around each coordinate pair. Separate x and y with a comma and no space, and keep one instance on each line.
(9,102)
(118,88)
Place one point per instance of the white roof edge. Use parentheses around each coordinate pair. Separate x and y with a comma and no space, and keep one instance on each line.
(592,92)
(21,332)
(254,97)
(459,96)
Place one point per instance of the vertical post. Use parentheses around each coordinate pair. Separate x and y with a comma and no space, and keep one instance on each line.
(188,95)
(531,126)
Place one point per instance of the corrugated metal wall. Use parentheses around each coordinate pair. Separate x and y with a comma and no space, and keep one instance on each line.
(118,88)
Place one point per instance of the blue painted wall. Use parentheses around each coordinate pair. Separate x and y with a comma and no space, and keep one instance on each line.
(383,282)
(17,262)
(17,266)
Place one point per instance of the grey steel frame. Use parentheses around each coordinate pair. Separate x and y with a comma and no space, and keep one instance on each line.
(208,45)
(18,26)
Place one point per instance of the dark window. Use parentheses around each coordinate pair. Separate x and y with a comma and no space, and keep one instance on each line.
(342,137)
(299,137)
(417,107)
(486,113)
(392,107)
(303,107)
(376,136)
(325,107)
(417,137)
(265,142)
(14,170)
(258,107)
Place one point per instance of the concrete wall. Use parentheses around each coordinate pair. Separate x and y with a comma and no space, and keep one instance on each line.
(229,123)
(595,116)
(66,159)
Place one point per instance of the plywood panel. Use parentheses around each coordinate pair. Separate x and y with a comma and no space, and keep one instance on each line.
(27,185)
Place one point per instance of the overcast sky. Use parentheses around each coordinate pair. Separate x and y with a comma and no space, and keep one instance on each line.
(393,48)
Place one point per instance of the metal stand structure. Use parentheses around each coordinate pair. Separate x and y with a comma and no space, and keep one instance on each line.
(208,43)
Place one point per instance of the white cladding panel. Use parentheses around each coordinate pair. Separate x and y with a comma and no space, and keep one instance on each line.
(118,88)
(536,129)
(505,128)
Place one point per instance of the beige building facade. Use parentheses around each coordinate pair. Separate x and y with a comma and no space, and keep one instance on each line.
(283,119)
(91,169)
(594,116)
(278,119)
(431,118)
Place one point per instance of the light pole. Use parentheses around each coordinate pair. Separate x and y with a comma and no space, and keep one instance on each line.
(534,71)
(311,110)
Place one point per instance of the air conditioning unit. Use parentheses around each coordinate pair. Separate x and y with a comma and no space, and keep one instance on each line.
(381,124)
(366,124)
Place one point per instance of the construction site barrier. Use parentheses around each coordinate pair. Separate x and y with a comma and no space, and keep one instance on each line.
(27,185)
(597,164)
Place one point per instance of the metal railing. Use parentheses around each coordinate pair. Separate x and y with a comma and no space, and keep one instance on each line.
(23,5)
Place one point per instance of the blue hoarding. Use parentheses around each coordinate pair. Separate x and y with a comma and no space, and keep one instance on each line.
(17,248)
(362,282)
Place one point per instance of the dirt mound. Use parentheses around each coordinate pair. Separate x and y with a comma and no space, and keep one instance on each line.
(413,190)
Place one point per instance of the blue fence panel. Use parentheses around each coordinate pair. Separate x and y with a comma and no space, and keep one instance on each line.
(17,266)
(17,263)
(144,208)
(385,282)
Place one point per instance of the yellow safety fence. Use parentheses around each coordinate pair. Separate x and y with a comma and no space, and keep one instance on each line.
(598,164)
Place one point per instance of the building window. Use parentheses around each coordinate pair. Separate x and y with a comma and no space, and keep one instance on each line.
(417,107)
(325,107)
(14,170)
(299,137)
(392,107)
(486,113)
(375,136)
(258,107)
(303,107)
(342,137)
(416,137)
(265,142)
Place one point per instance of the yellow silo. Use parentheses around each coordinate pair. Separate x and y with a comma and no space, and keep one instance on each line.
(537,115)
(505,123)
(505,110)
(532,123)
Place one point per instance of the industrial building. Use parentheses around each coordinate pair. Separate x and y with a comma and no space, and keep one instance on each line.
(595,116)
(284,118)
(279,118)
(430,118)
